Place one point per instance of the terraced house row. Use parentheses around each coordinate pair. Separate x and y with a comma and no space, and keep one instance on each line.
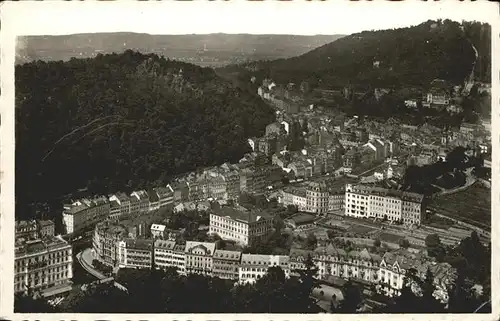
(356,200)
(220,183)
(386,272)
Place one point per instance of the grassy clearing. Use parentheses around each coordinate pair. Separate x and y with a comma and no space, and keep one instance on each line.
(472,206)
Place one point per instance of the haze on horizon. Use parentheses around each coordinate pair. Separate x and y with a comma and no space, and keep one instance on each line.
(236,17)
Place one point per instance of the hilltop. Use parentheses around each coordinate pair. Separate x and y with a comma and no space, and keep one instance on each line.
(205,50)
(123,121)
(412,57)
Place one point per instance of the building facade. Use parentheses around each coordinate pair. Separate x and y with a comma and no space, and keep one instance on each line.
(373,202)
(43,265)
(245,228)
(170,254)
(254,266)
(105,242)
(85,213)
(317,198)
(135,253)
(226,264)
(199,257)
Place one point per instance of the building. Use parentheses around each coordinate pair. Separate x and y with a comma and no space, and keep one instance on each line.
(254,266)
(27,229)
(46,228)
(351,158)
(154,201)
(274,128)
(294,196)
(243,227)
(44,265)
(226,264)
(105,242)
(180,191)
(135,253)
(158,231)
(165,195)
(199,257)
(84,214)
(438,97)
(301,168)
(334,262)
(123,201)
(375,202)
(255,180)
(300,221)
(317,198)
(232,179)
(170,254)
(114,210)
(143,198)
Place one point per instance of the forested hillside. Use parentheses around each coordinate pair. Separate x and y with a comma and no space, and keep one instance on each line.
(402,57)
(117,122)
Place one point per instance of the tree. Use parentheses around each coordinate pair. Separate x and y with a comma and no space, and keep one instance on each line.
(377,243)
(461,295)
(311,241)
(434,247)
(308,283)
(27,304)
(85,113)
(352,299)
(456,159)
(404,243)
(428,302)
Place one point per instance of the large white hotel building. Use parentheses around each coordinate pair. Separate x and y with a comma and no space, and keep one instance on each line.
(363,201)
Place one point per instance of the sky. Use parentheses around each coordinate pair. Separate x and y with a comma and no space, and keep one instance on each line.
(236,16)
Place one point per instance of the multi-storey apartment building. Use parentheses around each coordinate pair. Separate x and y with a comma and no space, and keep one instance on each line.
(105,242)
(170,254)
(244,227)
(317,198)
(114,210)
(226,264)
(331,261)
(84,214)
(294,196)
(27,229)
(254,266)
(336,199)
(43,265)
(199,257)
(232,178)
(154,200)
(255,180)
(393,205)
(143,198)
(123,201)
(166,195)
(46,228)
(135,253)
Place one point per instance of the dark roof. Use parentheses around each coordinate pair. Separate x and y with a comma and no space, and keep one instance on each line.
(228,255)
(235,214)
(139,244)
(153,196)
(114,204)
(45,222)
(302,218)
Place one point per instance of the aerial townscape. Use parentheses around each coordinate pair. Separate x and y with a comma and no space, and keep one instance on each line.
(351,177)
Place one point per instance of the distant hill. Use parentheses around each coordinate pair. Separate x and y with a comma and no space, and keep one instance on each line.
(205,50)
(412,56)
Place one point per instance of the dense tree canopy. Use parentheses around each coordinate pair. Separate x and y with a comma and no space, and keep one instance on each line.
(411,56)
(117,122)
